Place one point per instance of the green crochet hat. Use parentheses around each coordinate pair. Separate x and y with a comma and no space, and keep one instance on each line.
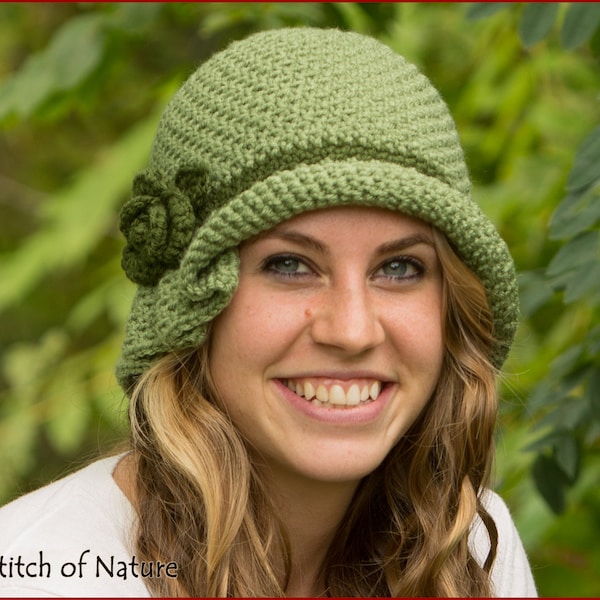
(281,123)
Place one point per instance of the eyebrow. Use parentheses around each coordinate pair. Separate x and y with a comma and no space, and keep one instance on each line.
(386,248)
(405,242)
(298,238)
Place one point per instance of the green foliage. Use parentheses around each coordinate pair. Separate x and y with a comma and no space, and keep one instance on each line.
(481,10)
(537,21)
(71,227)
(563,398)
(566,396)
(581,22)
(81,88)
(57,69)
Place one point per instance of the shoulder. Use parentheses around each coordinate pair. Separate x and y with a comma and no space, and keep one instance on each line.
(78,502)
(52,538)
(511,573)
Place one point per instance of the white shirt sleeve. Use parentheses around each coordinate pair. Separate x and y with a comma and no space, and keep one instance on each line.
(55,541)
(511,573)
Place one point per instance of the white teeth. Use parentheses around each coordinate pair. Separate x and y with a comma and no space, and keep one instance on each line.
(322,394)
(353,395)
(374,390)
(335,395)
(364,393)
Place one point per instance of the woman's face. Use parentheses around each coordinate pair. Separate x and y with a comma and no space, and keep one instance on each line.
(332,343)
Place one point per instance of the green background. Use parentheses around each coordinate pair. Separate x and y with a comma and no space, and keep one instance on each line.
(81,89)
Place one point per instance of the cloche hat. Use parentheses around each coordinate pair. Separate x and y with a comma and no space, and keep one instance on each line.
(281,123)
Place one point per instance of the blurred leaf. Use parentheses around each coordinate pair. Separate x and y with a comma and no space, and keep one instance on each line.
(75,50)
(586,166)
(565,448)
(581,250)
(22,93)
(556,391)
(566,453)
(566,361)
(583,281)
(581,21)
(69,420)
(24,363)
(481,10)
(576,213)
(546,442)
(541,395)
(568,413)
(109,399)
(535,291)
(537,21)
(92,305)
(594,392)
(72,54)
(135,16)
(593,341)
(548,479)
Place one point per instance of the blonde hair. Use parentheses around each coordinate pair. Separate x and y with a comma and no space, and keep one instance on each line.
(202,503)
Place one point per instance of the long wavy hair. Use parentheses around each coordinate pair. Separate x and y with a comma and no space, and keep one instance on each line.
(202,503)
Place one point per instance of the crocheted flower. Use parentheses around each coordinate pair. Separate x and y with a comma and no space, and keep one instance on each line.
(158,222)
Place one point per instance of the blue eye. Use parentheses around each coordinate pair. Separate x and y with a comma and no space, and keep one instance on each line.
(401,268)
(286,265)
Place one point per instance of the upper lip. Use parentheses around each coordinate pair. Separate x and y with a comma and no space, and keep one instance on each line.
(340,375)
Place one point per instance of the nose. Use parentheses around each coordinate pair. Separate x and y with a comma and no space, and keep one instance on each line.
(347,319)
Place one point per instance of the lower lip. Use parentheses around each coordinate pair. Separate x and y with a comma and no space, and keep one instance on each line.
(355,415)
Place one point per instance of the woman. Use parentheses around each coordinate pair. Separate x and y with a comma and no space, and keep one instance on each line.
(311,355)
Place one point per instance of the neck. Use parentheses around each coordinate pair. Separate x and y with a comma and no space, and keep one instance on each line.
(311,511)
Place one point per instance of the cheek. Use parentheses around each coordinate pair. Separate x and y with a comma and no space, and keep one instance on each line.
(254,328)
(418,334)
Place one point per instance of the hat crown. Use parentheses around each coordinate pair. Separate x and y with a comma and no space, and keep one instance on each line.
(292,96)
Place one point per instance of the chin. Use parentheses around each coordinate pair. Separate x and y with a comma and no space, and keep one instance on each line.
(350,468)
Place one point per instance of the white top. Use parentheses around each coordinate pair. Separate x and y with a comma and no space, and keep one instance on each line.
(72,538)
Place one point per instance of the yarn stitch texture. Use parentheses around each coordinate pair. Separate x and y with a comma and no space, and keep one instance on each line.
(285,122)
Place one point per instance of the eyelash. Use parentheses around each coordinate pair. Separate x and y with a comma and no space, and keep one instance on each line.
(407,260)
(269,265)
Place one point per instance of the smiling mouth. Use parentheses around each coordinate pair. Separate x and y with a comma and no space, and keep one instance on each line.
(336,395)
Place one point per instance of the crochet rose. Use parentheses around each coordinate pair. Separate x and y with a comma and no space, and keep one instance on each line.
(158,222)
